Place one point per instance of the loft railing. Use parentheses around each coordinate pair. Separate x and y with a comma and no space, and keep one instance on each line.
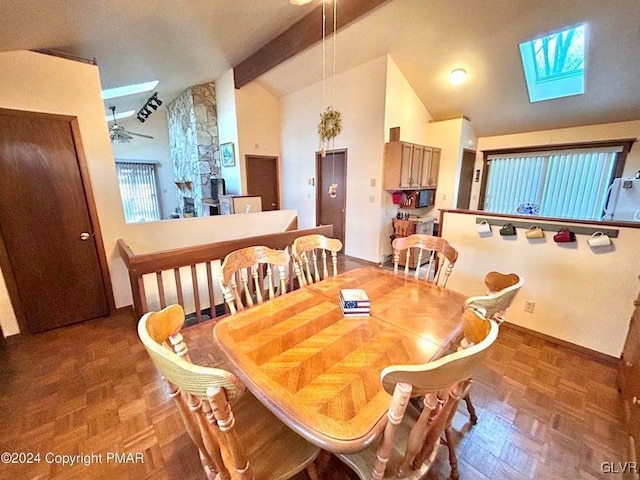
(188,276)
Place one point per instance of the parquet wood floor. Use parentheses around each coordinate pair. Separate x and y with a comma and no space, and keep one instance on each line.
(544,411)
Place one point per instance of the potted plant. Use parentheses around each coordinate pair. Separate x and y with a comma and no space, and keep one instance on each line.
(329,127)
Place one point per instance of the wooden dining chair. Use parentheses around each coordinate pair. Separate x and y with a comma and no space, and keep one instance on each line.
(239,443)
(305,252)
(503,289)
(410,441)
(249,273)
(442,256)
(492,305)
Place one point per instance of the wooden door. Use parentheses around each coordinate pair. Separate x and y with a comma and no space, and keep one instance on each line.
(332,211)
(262,180)
(466,179)
(50,253)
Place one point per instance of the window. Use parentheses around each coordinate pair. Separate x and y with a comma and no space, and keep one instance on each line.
(571,183)
(139,191)
(554,64)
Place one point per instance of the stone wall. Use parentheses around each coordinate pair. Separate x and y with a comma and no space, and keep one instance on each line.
(194,143)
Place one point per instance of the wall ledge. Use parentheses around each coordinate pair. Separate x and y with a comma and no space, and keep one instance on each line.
(532,218)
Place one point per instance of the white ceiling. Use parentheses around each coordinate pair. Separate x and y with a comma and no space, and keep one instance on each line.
(187,42)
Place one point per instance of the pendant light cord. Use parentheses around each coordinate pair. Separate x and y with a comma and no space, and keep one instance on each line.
(324,54)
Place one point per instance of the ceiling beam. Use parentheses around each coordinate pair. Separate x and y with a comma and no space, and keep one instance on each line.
(301,35)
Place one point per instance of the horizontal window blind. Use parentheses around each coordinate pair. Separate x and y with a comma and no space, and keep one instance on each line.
(139,191)
(560,184)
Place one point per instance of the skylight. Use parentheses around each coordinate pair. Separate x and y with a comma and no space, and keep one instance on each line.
(129,90)
(554,64)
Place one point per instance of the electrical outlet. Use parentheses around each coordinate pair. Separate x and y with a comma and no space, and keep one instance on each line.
(528,306)
(372,182)
(372,199)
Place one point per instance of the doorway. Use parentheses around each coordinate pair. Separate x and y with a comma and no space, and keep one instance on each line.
(262,180)
(51,250)
(466,179)
(331,210)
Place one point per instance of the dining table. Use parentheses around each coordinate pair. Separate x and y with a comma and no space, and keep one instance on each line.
(318,370)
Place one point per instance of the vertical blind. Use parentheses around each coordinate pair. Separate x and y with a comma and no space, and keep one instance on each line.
(560,184)
(139,191)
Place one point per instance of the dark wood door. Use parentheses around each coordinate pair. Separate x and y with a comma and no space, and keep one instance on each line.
(332,210)
(262,180)
(466,179)
(44,213)
(629,382)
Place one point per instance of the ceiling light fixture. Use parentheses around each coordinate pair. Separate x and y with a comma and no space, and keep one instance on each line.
(458,76)
(153,102)
(129,90)
(299,2)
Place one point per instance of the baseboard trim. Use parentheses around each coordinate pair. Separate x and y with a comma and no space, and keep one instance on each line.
(587,352)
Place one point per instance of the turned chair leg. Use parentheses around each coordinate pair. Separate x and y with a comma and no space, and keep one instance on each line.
(472,411)
(453,461)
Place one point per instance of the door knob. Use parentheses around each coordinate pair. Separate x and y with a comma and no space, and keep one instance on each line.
(84,236)
(273,204)
(634,400)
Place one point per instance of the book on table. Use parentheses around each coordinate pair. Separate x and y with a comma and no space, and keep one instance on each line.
(354,298)
(354,302)
(355,312)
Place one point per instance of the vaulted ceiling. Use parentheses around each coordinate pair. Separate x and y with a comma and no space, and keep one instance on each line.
(187,42)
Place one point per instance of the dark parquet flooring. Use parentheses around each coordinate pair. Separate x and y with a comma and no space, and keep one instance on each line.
(544,411)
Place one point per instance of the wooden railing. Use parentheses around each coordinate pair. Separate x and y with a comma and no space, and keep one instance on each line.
(194,288)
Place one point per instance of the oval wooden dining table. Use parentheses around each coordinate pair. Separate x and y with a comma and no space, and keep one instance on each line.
(318,371)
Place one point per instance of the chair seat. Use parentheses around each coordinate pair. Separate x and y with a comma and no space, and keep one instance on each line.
(274,450)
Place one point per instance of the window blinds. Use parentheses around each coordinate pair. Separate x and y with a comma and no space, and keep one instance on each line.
(561,184)
(139,191)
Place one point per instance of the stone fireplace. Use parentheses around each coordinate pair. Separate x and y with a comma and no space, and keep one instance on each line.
(194,144)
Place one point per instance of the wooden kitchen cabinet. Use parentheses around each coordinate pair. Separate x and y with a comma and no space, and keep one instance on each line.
(629,383)
(430,168)
(410,166)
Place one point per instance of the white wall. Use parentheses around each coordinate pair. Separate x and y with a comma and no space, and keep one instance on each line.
(581,296)
(154,150)
(447,135)
(361,101)
(228,130)
(36,82)
(452,136)
(588,133)
(403,108)
(258,117)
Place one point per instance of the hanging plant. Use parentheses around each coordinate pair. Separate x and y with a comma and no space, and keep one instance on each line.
(329,127)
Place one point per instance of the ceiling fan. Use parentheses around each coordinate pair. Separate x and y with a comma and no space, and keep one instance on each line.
(120,134)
